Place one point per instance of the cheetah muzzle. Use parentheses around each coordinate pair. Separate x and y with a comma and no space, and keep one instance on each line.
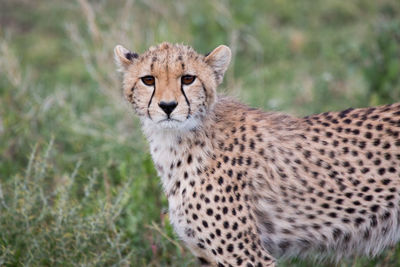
(246,186)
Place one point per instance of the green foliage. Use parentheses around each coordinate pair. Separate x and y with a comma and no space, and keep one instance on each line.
(77,184)
(45,222)
(382,63)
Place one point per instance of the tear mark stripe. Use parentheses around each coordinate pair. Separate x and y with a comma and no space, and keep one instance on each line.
(187,101)
(151,98)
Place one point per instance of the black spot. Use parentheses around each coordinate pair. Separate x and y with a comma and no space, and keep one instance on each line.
(316,226)
(248,160)
(349,195)
(325,206)
(377,142)
(252,144)
(344,113)
(285,244)
(332,214)
(389,197)
(374,208)
(381,171)
(365,189)
(235,226)
(225,210)
(226,224)
(339,201)
(364,170)
(368,135)
(368,198)
(361,144)
(359,221)
(203,261)
(228,188)
(386,146)
(218,232)
(336,233)
(226,159)
(349,210)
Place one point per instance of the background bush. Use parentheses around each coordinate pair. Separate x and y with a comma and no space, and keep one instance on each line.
(77,184)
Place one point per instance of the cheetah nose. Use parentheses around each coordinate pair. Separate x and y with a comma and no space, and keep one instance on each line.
(168,107)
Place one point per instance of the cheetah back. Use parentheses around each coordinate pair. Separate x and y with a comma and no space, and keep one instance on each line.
(332,185)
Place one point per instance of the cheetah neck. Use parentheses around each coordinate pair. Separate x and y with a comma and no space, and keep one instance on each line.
(177,154)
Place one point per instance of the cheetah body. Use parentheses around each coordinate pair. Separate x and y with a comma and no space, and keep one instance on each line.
(245,186)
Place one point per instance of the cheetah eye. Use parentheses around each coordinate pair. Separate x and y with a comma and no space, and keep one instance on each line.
(148,80)
(187,79)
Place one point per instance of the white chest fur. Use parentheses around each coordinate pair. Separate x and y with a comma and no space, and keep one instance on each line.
(178,161)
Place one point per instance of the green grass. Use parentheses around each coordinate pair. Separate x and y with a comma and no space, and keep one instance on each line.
(77,184)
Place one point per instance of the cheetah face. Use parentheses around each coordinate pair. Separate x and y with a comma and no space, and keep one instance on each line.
(172,86)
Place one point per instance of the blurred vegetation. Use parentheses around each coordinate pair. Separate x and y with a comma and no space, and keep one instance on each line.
(77,184)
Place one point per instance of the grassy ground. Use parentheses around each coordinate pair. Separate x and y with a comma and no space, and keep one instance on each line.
(77,184)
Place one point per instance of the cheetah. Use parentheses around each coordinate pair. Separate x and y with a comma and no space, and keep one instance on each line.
(246,187)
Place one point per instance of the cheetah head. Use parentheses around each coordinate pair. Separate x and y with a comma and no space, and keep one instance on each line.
(171,85)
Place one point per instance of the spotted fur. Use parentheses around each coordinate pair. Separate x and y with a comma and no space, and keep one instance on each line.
(245,186)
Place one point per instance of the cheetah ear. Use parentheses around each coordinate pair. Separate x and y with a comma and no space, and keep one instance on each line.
(123,57)
(219,60)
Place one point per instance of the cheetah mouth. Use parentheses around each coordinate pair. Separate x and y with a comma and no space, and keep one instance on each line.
(168,120)
(177,123)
